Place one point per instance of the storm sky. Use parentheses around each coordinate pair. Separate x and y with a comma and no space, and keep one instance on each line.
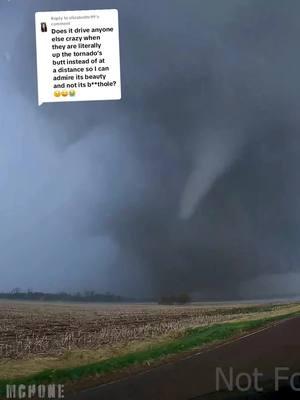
(191,182)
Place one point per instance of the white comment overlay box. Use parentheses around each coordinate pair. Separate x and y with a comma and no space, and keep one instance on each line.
(78,56)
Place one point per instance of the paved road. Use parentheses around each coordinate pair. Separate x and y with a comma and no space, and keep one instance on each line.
(277,346)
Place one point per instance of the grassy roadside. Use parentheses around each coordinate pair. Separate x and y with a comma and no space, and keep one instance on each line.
(192,338)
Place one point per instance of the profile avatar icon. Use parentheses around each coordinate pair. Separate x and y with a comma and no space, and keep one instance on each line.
(43,27)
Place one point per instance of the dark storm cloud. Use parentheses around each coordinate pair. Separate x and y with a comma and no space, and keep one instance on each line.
(194,173)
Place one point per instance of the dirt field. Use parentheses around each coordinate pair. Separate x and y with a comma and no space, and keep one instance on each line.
(38,335)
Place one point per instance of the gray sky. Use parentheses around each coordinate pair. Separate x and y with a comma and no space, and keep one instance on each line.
(190,182)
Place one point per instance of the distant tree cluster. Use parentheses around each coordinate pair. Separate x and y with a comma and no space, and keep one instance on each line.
(182,298)
(87,296)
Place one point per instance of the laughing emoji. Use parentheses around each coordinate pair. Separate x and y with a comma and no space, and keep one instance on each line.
(64,93)
(56,93)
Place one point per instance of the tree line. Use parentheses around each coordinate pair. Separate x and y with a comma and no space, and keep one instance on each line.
(87,296)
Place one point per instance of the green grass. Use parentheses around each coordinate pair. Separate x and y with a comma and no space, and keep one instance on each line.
(192,338)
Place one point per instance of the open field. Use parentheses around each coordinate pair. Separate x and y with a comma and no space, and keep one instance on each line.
(36,336)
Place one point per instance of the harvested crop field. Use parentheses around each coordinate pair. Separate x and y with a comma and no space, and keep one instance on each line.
(29,329)
(79,333)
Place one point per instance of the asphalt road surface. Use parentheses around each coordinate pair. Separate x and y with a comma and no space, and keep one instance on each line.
(194,377)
